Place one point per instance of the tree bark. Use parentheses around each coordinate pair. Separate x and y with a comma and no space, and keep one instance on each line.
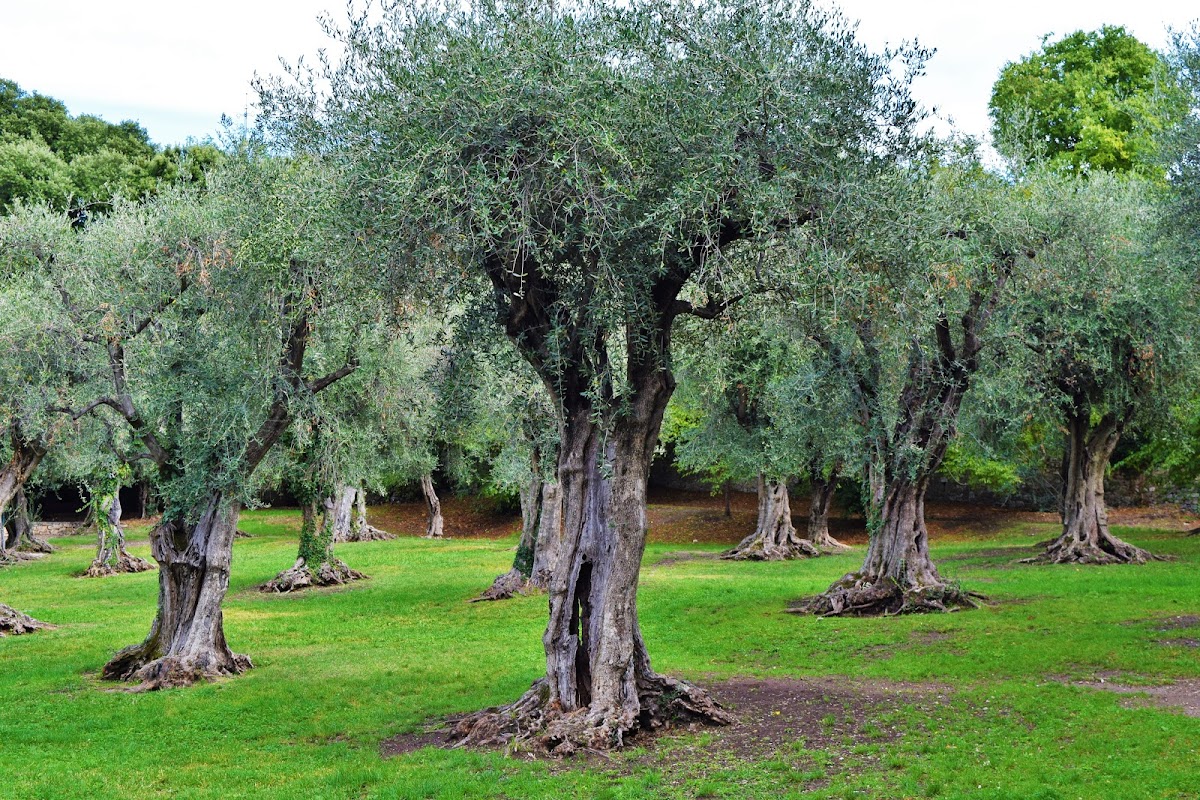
(599,686)
(818,515)
(343,510)
(433,509)
(19,526)
(549,535)
(360,529)
(1085,538)
(187,640)
(774,538)
(897,575)
(14,623)
(16,473)
(111,558)
(316,565)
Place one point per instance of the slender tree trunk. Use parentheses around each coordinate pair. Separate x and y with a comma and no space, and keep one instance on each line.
(433,509)
(187,640)
(360,529)
(143,489)
(549,536)
(111,558)
(316,565)
(818,514)
(599,687)
(775,538)
(14,623)
(1086,538)
(727,490)
(343,510)
(516,580)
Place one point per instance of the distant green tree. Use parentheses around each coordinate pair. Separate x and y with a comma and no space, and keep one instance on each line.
(1099,98)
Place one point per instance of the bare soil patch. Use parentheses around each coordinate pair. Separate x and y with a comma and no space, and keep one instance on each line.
(1183,694)
(814,726)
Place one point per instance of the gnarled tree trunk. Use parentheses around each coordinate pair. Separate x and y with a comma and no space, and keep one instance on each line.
(1086,538)
(20,525)
(16,473)
(316,564)
(821,498)
(360,529)
(775,538)
(14,623)
(897,575)
(549,535)
(433,509)
(111,558)
(599,687)
(187,640)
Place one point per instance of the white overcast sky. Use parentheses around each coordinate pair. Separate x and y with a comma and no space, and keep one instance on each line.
(177,67)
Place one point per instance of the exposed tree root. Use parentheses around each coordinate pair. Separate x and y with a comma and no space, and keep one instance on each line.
(505,587)
(858,595)
(1107,549)
(827,544)
(125,563)
(171,671)
(536,723)
(301,576)
(32,544)
(10,557)
(368,533)
(762,549)
(14,623)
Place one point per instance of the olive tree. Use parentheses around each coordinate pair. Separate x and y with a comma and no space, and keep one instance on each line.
(211,320)
(605,168)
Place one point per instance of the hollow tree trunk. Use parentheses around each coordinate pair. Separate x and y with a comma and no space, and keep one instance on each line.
(599,687)
(14,623)
(360,529)
(821,499)
(774,538)
(187,640)
(897,575)
(316,565)
(343,510)
(111,558)
(433,509)
(1085,538)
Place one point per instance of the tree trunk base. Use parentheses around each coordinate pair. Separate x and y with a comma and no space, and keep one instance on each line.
(369,533)
(35,545)
(1107,549)
(828,544)
(301,576)
(859,595)
(762,550)
(125,564)
(506,587)
(14,623)
(169,672)
(536,723)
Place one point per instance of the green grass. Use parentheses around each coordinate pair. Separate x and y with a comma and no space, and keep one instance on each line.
(339,671)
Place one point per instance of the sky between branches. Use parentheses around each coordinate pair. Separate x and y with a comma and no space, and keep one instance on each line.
(176,68)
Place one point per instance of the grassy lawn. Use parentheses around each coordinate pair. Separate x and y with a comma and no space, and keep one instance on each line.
(991,712)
